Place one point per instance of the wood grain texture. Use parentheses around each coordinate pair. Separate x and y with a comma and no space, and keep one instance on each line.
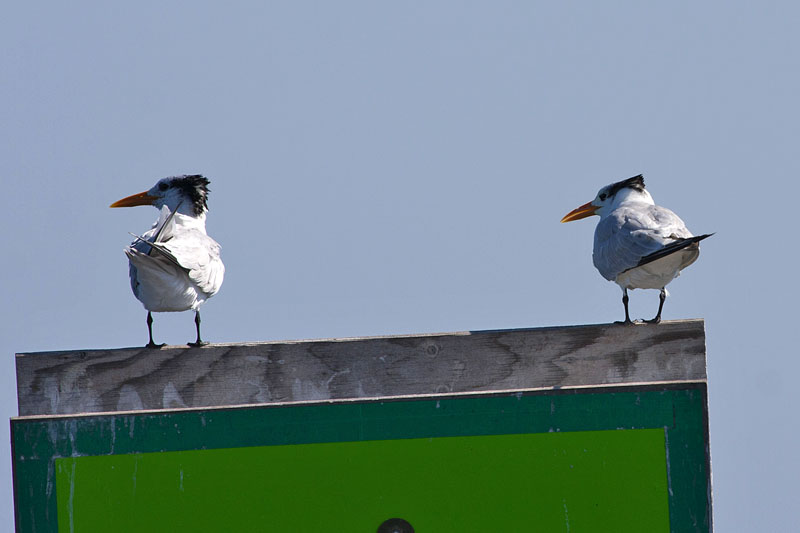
(126,379)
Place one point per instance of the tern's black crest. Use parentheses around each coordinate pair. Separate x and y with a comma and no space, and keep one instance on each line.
(195,187)
(636,182)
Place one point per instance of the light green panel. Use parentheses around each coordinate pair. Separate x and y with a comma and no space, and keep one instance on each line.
(550,482)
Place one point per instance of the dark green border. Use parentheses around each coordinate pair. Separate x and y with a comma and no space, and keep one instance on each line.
(680,410)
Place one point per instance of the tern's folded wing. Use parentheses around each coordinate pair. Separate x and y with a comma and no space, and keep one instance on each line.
(631,233)
(673,247)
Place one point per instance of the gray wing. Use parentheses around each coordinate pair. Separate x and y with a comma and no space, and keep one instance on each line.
(630,233)
(151,243)
(151,247)
(146,246)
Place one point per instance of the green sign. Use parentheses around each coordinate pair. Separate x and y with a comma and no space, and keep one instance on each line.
(619,460)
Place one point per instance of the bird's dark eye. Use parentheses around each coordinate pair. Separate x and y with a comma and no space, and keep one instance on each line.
(163,186)
(603,196)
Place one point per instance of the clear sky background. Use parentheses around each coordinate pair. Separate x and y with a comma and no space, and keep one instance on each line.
(402,167)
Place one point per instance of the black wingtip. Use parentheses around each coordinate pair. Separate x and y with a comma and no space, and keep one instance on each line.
(672,248)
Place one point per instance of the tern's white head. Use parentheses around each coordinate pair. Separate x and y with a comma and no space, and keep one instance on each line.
(612,196)
(188,194)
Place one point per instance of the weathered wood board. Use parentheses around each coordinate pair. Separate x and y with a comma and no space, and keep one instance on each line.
(130,379)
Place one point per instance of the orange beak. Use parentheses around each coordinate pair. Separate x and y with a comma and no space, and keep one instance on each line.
(135,199)
(586,210)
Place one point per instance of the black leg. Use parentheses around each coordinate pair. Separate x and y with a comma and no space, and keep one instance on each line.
(661,297)
(151,344)
(198,342)
(625,303)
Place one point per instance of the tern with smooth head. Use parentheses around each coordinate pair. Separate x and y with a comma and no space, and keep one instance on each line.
(637,244)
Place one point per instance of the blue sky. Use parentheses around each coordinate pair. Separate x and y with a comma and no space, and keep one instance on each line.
(388,168)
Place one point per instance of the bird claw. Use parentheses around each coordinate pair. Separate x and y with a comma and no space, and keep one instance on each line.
(626,322)
(155,346)
(656,320)
(197,344)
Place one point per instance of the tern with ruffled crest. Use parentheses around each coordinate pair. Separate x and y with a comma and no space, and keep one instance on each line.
(175,266)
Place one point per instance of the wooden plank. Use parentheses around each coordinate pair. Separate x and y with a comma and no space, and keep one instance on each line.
(127,379)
